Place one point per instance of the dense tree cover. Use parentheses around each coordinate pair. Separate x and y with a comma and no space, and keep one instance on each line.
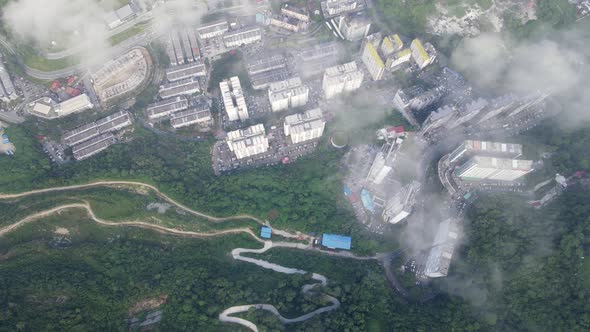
(26,164)
(551,15)
(91,281)
(525,269)
(407,17)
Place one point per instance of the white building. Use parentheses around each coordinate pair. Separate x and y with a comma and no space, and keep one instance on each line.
(166,107)
(396,60)
(303,127)
(336,7)
(200,114)
(354,26)
(400,206)
(371,57)
(439,258)
(183,87)
(341,78)
(233,99)
(391,44)
(491,168)
(241,37)
(76,104)
(7,90)
(288,93)
(295,12)
(474,147)
(423,54)
(248,142)
(213,29)
(384,161)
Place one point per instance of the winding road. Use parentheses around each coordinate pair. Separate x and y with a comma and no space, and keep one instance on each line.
(226,315)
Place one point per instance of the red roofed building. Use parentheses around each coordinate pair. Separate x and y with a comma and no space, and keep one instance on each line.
(390,132)
(55,85)
(72,91)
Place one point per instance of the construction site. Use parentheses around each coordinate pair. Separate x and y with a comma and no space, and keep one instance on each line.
(122,75)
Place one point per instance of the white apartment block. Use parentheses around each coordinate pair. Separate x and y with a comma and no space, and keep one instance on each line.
(233,99)
(491,168)
(303,127)
(341,78)
(423,54)
(371,57)
(248,142)
(287,93)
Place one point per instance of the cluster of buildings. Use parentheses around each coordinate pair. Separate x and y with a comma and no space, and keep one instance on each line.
(333,8)
(299,128)
(182,46)
(121,75)
(233,98)
(286,94)
(221,36)
(266,70)
(342,78)
(380,53)
(313,60)
(291,19)
(94,137)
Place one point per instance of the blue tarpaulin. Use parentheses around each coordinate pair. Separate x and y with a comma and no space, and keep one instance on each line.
(265,232)
(367,201)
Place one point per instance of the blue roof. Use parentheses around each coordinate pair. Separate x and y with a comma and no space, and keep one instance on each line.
(367,201)
(265,232)
(347,191)
(334,241)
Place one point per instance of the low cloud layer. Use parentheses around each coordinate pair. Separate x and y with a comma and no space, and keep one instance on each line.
(557,65)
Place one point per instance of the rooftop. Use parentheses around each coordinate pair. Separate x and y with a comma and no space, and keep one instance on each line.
(334,241)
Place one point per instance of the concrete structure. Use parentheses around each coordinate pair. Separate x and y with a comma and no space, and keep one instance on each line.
(265,79)
(117,17)
(166,107)
(121,75)
(438,118)
(287,23)
(233,99)
(384,161)
(491,168)
(333,241)
(211,30)
(199,114)
(93,146)
(354,26)
(265,64)
(483,148)
(400,206)
(295,12)
(371,58)
(241,37)
(423,54)
(73,105)
(390,133)
(289,93)
(187,86)
(342,78)
(440,255)
(396,60)
(186,45)
(303,127)
(195,69)
(331,8)
(319,51)
(248,142)
(111,123)
(192,38)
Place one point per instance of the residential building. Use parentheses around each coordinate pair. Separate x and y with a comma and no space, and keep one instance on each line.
(7,90)
(289,93)
(196,115)
(265,64)
(438,118)
(214,29)
(195,69)
(423,54)
(177,47)
(186,86)
(342,78)
(396,60)
(354,26)
(303,127)
(440,255)
(264,79)
(166,107)
(492,168)
(248,142)
(93,146)
(484,148)
(400,205)
(331,8)
(113,122)
(384,161)
(371,57)
(286,22)
(241,37)
(391,44)
(295,12)
(233,99)
(192,38)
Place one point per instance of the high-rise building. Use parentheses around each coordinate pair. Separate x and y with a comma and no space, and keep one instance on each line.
(423,54)
(438,118)
(287,93)
(491,168)
(302,127)
(400,206)
(384,161)
(354,26)
(439,258)
(233,99)
(391,44)
(396,60)
(248,142)
(483,148)
(341,78)
(371,57)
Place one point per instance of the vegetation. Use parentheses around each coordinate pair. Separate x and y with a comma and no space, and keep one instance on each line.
(33,59)
(551,15)
(406,17)
(131,32)
(230,64)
